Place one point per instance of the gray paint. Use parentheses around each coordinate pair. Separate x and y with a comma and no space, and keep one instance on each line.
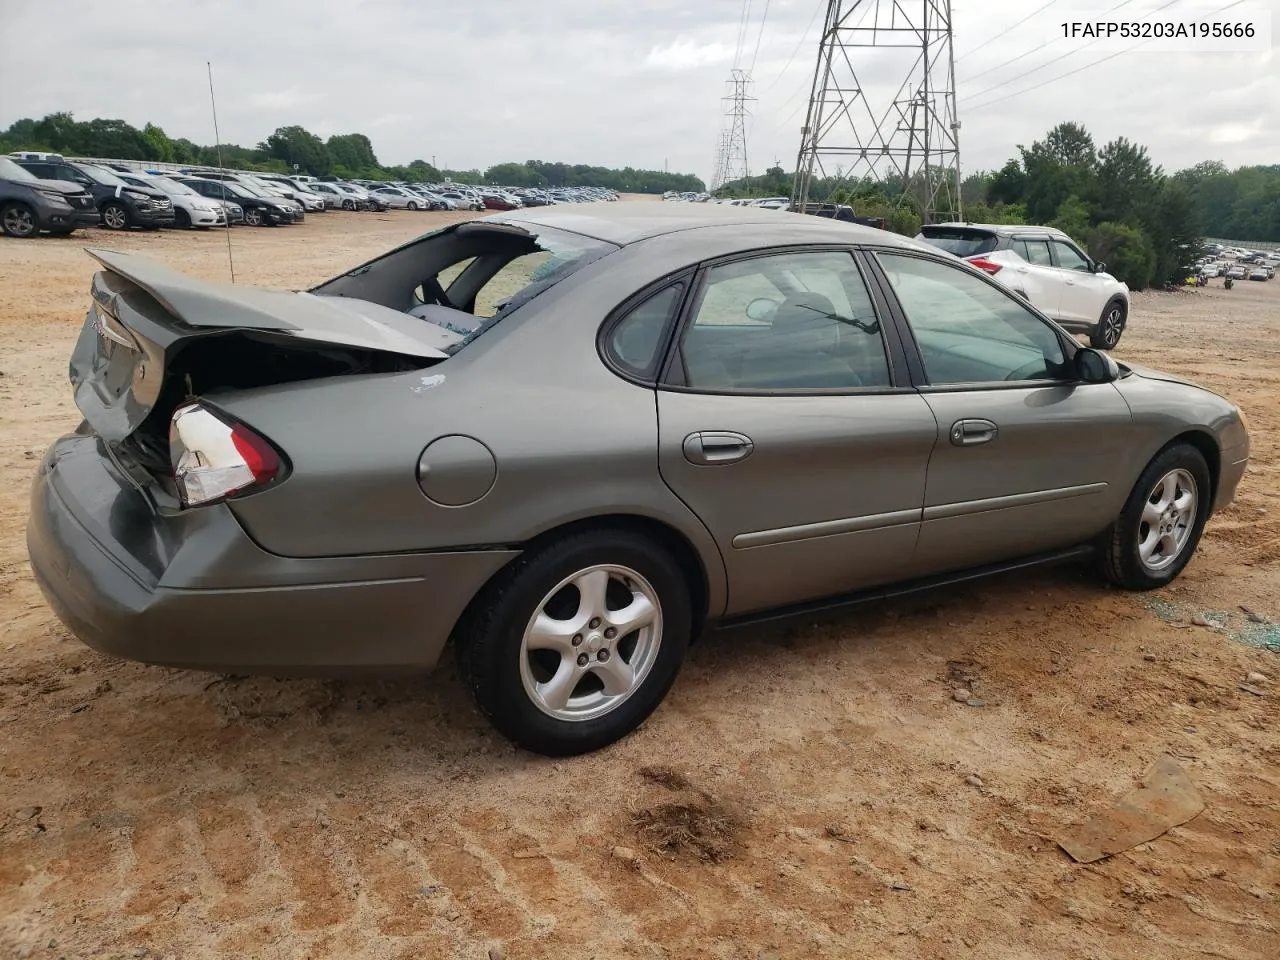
(349,561)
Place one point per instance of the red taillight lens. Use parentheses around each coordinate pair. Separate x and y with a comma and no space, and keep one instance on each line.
(214,459)
(984,264)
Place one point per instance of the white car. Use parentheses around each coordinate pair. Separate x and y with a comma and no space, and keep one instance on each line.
(330,196)
(1045,267)
(398,198)
(190,209)
(311,202)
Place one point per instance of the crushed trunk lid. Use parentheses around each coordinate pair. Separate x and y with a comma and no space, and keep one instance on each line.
(154,336)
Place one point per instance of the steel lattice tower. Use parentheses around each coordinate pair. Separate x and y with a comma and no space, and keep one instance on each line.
(731,158)
(914,134)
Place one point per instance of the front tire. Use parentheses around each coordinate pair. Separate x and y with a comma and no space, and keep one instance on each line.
(253,216)
(1159,528)
(413,206)
(348,204)
(115,216)
(1106,334)
(18,220)
(573,646)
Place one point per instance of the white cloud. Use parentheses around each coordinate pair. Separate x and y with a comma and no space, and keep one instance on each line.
(686,54)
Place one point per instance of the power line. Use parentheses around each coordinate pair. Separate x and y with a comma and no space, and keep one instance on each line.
(1026,53)
(987,43)
(742,33)
(1093,63)
(759,36)
(799,43)
(1061,57)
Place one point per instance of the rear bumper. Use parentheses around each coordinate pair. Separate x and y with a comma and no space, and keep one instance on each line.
(134,579)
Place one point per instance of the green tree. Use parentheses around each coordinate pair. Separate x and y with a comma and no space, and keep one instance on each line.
(353,153)
(158,145)
(1072,218)
(297,145)
(1009,185)
(1124,181)
(1126,251)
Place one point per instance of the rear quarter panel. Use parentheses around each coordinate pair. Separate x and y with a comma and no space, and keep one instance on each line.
(571,439)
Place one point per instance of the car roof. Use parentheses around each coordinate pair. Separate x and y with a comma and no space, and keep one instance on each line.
(624,223)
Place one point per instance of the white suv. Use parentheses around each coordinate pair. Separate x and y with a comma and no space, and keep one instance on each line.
(1045,267)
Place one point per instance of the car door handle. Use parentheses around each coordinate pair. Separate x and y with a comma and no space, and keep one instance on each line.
(715,447)
(968,433)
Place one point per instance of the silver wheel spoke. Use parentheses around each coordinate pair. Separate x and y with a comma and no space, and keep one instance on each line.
(548,633)
(1185,503)
(616,675)
(1151,513)
(591,592)
(1147,548)
(635,615)
(555,692)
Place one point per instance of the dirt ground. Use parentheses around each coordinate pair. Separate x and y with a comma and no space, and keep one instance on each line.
(808,790)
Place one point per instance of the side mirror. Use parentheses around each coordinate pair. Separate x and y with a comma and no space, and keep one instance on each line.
(762,308)
(1094,366)
(1099,267)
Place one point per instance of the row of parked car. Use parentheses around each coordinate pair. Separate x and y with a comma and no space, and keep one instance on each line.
(43,192)
(1237,263)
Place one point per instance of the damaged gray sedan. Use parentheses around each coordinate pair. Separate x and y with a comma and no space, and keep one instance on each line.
(570,439)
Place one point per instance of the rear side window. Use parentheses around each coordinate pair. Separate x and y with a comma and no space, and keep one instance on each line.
(960,241)
(1034,251)
(635,342)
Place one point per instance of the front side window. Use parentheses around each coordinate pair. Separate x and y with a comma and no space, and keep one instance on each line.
(794,321)
(1069,258)
(967,329)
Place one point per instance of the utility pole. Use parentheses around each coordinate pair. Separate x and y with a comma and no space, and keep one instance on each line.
(911,135)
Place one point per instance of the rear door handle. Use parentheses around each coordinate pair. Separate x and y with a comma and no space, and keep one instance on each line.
(715,447)
(968,433)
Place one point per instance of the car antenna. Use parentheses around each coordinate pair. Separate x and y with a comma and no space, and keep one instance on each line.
(217,142)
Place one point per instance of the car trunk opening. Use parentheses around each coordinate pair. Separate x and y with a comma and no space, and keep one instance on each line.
(154,339)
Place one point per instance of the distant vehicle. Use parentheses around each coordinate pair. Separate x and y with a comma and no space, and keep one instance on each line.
(29,205)
(1046,268)
(1260,273)
(332,197)
(259,211)
(190,209)
(353,197)
(398,198)
(1236,272)
(464,201)
(500,200)
(311,202)
(1211,270)
(119,204)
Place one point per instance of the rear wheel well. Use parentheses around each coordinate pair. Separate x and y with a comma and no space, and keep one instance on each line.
(661,533)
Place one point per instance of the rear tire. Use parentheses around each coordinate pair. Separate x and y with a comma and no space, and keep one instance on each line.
(18,220)
(1110,326)
(115,216)
(1159,528)
(519,635)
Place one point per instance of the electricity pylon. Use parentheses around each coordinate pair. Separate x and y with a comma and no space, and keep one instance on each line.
(876,133)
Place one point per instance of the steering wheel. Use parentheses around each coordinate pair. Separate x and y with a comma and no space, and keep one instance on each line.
(1028,371)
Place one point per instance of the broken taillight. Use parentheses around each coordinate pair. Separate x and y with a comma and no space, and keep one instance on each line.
(214,458)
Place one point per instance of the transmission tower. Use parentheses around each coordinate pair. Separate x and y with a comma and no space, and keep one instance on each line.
(731,158)
(872,133)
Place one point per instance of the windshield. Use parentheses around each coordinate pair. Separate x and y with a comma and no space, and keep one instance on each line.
(960,242)
(172,187)
(100,175)
(11,171)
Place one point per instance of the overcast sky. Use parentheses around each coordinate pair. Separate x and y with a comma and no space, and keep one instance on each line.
(609,82)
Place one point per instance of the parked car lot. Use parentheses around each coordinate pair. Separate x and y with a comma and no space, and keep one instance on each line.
(793,747)
(29,205)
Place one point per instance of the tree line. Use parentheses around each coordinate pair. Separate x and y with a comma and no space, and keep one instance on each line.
(1144,223)
(294,149)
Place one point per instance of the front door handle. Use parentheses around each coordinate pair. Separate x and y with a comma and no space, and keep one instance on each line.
(968,433)
(715,447)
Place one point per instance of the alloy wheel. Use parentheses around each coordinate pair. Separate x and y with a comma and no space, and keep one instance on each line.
(19,222)
(591,643)
(1112,326)
(115,217)
(1168,518)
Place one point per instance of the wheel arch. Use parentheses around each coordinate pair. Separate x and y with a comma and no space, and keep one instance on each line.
(1204,442)
(662,533)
